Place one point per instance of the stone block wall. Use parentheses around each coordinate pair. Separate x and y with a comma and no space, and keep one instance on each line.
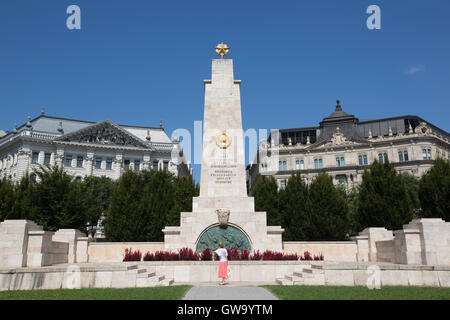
(421,242)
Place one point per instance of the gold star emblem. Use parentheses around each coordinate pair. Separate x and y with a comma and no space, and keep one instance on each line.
(222,50)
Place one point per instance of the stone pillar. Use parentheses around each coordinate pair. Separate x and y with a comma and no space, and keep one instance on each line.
(117,165)
(69,236)
(362,244)
(14,242)
(23,162)
(39,251)
(374,235)
(59,157)
(434,240)
(407,247)
(82,252)
(41,157)
(89,162)
(146,163)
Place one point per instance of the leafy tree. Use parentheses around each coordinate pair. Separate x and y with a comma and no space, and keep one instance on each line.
(383,199)
(265,192)
(352,199)
(328,210)
(295,209)
(434,191)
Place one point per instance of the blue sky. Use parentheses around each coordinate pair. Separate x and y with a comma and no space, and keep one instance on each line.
(139,62)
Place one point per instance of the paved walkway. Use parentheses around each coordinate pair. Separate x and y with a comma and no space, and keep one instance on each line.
(228,292)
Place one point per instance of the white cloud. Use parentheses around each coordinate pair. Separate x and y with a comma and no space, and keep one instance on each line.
(413,69)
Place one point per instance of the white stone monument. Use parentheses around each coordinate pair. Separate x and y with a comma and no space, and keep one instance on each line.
(223,211)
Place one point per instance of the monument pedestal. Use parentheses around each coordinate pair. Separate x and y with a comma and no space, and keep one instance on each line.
(223,211)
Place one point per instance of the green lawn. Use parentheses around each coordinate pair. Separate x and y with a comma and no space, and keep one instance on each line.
(358,293)
(156,293)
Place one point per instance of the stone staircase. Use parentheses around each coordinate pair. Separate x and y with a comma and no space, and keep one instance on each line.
(312,275)
(148,278)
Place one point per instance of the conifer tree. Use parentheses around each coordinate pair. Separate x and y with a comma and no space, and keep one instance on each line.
(265,192)
(383,199)
(328,212)
(295,209)
(434,191)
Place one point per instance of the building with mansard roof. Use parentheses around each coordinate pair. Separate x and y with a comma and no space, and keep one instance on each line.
(85,148)
(343,146)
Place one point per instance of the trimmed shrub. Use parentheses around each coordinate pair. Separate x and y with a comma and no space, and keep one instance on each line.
(206,255)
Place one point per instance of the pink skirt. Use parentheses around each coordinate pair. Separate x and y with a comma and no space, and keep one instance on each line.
(223,266)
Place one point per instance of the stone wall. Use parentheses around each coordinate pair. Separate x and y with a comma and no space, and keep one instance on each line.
(332,251)
(23,243)
(421,242)
(115,251)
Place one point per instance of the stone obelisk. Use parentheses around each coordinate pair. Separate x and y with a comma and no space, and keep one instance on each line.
(223,211)
(223,179)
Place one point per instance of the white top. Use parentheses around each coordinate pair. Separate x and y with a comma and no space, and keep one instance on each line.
(222,253)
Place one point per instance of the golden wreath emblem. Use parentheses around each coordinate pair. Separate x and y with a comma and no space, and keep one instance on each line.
(223,140)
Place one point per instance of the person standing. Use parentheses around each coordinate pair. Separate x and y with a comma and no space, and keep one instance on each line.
(223,262)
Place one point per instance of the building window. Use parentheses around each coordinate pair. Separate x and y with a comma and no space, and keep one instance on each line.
(362,159)
(318,163)
(382,157)
(299,164)
(166,165)
(68,160)
(264,167)
(80,162)
(400,156)
(47,157)
(426,153)
(405,156)
(342,180)
(340,162)
(282,165)
(78,179)
(137,165)
(155,165)
(98,163)
(108,164)
(283,184)
(126,164)
(34,157)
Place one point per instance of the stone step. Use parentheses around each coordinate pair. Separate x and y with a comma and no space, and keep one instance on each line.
(132,267)
(312,271)
(293,277)
(156,278)
(303,275)
(146,275)
(284,282)
(166,282)
(317,280)
(317,266)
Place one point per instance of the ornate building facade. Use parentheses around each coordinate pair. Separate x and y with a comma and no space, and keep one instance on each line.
(85,148)
(344,147)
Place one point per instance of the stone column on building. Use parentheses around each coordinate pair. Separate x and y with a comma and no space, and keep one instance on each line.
(146,163)
(23,162)
(59,157)
(117,165)
(41,157)
(89,162)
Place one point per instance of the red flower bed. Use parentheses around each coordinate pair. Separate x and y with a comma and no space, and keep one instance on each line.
(206,255)
(187,254)
(131,255)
